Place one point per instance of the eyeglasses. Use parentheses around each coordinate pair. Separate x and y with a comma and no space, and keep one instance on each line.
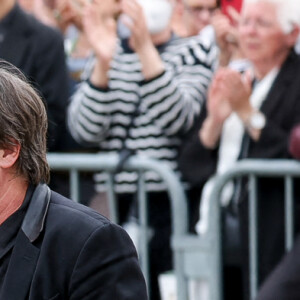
(257,23)
(200,9)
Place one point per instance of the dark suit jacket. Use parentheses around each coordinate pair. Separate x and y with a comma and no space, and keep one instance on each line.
(196,163)
(65,250)
(282,110)
(39,52)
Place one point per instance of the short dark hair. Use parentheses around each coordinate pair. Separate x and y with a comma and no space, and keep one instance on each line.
(23,120)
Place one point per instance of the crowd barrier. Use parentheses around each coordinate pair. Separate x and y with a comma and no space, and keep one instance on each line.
(199,257)
(195,257)
(77,163)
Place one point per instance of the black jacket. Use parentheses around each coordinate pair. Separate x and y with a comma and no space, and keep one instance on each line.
(65,250)
(38,51)
(282,110)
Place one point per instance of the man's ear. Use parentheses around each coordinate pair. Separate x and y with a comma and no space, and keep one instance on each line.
(9,156)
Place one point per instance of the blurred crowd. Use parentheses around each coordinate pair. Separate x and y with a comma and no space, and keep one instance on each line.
(196,84)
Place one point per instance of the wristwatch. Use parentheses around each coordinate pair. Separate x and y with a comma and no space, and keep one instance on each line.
(256,121)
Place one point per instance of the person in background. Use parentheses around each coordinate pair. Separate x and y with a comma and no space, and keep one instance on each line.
(66,16)
(54,13)
(261,107)
(198,14)
(196,162)
(140,95)
(192,16)
(51,247)
(205,17)
(39,52)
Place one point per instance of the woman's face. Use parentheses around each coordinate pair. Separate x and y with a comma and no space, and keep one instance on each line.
(198,14)
(261,36)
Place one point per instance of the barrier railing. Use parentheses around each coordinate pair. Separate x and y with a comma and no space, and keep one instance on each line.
(199,257)
(76,163)
(195,257)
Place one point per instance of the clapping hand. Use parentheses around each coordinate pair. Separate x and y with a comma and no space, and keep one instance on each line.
(135,20)
(229,92)
(237,89)
(100,27)
(218,106)
(141,40)
(226,34)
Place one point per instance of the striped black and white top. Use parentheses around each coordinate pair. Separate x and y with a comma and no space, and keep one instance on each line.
(168,106)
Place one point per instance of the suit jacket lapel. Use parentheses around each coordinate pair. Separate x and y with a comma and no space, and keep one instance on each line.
(25,254)
(20,270)
(274,97)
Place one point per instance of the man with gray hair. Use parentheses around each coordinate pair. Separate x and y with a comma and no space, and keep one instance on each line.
(51,247)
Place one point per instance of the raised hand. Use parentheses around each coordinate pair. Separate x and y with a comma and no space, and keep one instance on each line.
(100,28)
(218,106)
(226,34)
(140,39)
(99,24)
(218,109)
(236,88)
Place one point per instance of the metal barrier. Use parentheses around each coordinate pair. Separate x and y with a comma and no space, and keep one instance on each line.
(199,257)
(195,257)
(76,163)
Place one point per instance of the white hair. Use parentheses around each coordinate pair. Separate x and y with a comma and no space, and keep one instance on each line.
(288,12)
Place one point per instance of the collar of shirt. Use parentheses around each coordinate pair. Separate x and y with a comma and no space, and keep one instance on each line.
(10,228)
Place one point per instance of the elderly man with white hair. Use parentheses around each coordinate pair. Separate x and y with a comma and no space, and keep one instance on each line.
(251,116)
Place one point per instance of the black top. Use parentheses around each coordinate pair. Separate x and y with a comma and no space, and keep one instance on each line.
(8,233)
(38,51)
(65,250)
(5,23)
